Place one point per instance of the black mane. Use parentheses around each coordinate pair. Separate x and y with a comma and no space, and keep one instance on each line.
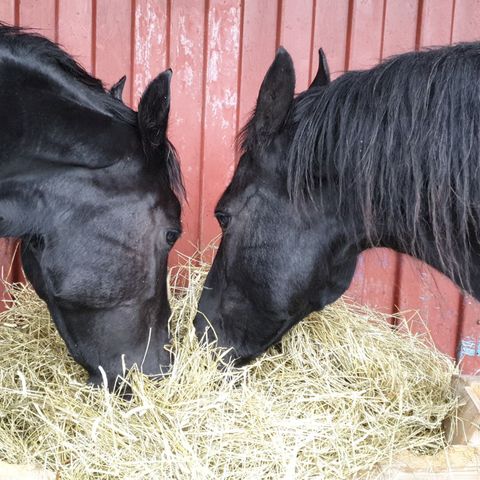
(31,47)
(401,143)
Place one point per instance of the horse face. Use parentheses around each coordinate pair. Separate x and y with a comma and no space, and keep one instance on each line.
(275,263)
(101,262)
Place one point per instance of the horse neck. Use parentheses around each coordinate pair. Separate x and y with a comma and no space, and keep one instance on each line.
(428,254)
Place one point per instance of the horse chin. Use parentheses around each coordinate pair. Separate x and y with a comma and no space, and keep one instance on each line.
(242,356)
(242,362)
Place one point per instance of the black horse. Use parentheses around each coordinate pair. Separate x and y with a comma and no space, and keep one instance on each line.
(93,190)
(385,157)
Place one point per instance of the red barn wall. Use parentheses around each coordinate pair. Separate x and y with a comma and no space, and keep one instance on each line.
(219,51)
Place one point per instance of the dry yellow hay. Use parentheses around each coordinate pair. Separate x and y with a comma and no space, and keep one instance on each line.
(342,393)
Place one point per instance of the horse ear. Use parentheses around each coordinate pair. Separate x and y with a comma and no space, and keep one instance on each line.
(117,89)
(275,97)
(153,111)
(322,78)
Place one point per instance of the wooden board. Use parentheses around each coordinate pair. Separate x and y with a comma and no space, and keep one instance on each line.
(465,430)
(24,472)
(458,462)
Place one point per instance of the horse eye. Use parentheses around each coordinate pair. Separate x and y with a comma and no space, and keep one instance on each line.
(172,236)
(223,219)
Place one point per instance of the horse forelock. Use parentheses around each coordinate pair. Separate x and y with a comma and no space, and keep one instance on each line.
(401,144)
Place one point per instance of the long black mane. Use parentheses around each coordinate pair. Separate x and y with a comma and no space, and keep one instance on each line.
(38,52)
(402,143)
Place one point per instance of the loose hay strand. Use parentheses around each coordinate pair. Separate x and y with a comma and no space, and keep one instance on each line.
(342,393)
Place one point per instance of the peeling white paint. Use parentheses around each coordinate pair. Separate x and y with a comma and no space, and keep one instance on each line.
(178,120)
(212,72)
(218,104)
(188,75)
(214,29)
(146,40)
(222,48)
(185,42)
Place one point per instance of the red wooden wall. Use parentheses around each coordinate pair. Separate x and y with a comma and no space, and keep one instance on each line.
(219,51)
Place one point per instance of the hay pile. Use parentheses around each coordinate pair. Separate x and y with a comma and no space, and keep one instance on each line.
(342,393)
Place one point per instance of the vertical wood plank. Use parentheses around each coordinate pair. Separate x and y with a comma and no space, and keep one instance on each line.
(366,34)
(436,26)
(7,11)
(185,129)
(374,283)
(220,108)
(436,300)
(330,33)
(295,35)
(10,266)
(466,21)
(39,15)
(150,44)
(259,28)
(400,29)
(113,42)
(75,30)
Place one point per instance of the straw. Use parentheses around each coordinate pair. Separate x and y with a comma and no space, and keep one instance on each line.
(343,393)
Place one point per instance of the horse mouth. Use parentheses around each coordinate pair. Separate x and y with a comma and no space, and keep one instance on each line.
(243,361)
(240,360)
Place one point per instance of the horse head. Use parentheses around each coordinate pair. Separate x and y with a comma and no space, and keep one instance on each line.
(93,189)
(275,263)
